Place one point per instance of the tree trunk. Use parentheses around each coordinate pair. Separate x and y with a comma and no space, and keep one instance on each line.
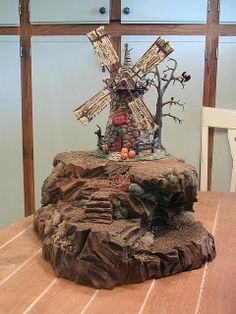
(158,121)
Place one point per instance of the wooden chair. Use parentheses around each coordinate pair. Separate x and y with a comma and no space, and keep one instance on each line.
(217,118)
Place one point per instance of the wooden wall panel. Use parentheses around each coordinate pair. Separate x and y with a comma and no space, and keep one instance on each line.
(61,82)
(11,168)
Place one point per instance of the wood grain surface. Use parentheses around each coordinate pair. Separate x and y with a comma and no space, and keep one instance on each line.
(218,295)
(28,284)
(12,231)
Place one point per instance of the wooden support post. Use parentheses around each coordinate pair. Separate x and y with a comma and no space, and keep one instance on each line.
(115,13)
(27,117)
(210,78)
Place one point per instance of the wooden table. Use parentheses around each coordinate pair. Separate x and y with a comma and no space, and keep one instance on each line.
(28,284)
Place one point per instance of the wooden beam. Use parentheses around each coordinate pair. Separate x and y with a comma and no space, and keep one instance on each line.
(27,118)
(115,12)
(117,29)
(210,75)
(211,60)
(9,31)
(227,30)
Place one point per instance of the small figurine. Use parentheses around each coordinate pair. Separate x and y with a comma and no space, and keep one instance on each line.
(100,141)
(186,77)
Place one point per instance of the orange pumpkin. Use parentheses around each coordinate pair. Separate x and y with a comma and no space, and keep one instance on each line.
(124,155)
(131,154)
(124,150)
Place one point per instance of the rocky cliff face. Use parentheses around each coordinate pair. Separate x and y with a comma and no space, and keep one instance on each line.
(106,223)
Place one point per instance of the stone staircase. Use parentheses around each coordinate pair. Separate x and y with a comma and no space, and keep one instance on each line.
(99,209)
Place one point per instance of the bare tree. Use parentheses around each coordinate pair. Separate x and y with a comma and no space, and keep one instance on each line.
(161,82)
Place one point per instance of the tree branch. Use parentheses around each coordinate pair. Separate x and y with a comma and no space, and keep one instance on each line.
(157,76)
(180,80)
(171,77)
(173,117)
(173,102)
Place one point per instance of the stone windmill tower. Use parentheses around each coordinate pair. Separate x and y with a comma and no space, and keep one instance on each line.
(130,121)
(123,128)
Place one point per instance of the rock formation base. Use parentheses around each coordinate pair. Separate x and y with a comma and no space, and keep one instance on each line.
(105,223)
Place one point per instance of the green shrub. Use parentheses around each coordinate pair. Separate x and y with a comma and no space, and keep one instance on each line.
(79,203)
(116,203)
(119,212)
(186,172)
(168,174)
(171,176)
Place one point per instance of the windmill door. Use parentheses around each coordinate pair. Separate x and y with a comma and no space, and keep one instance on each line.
(117,144)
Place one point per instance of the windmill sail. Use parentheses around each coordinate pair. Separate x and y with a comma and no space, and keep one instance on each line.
(93,106)
(103,47)
(152,57)
(142,114)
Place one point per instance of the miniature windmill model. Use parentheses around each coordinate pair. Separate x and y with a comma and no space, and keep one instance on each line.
(130,121)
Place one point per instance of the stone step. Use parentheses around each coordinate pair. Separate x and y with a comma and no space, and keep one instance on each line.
(98,203)
(100,197)
(100,218)
(98,221)
(98,215)
(98,210)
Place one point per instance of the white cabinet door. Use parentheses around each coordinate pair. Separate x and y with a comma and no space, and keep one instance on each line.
(181,140)
(9,12)
(69,11)
(11,165)
(225,98)
(227,11)
(168,11)
(66,73)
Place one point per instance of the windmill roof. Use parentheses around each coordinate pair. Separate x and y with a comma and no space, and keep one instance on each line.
(128,64)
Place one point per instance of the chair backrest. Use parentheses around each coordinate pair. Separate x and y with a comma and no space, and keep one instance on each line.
(217,118)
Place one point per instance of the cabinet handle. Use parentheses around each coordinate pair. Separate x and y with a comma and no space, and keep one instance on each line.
(126,10)
(102,10)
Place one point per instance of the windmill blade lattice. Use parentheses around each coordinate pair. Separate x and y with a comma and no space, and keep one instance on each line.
(142,114)
(159,50)
(93,106)
(103,47)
